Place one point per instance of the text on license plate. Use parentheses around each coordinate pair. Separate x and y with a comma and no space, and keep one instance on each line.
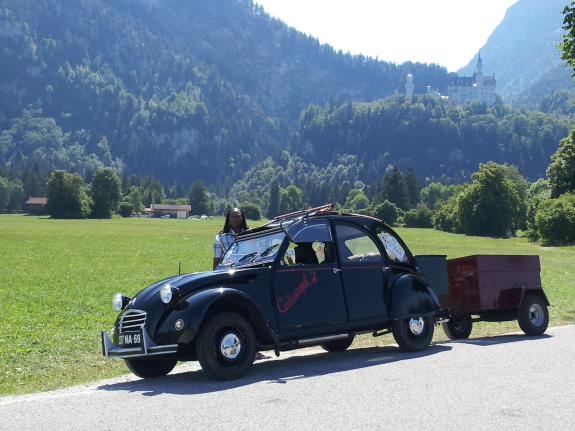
(129,339)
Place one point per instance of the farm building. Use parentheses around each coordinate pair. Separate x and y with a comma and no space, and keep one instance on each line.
(174,211)
(36,205)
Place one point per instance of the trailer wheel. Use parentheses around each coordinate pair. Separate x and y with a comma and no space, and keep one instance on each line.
(533,315)
(413,335)
(457,330)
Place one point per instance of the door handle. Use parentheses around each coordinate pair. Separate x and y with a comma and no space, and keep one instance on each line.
(336,270)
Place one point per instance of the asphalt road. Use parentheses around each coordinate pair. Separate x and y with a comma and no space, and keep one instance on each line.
(510,382)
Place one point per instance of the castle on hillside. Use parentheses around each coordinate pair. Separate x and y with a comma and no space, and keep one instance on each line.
(462,89)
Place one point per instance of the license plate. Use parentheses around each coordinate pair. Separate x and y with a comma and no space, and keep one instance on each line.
(130,339)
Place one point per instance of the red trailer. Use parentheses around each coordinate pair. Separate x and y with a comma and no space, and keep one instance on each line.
(494,288)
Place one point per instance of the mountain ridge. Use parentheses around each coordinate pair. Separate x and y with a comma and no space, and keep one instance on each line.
(195,90)
(521,48)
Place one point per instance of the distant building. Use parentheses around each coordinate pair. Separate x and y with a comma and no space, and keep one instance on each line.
(461,89)
(173,211)
(434,93)
(409,86)
(36,205)
(476,87)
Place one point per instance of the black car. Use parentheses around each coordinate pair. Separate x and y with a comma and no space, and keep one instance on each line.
(315,277)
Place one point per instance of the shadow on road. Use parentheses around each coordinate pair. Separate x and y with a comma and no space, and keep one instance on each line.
(280,371)
(498,339)
(284,370)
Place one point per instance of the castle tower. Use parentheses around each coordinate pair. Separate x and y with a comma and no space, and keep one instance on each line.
(479,67)
(409,86)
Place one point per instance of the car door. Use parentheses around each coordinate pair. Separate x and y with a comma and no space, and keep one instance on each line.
(363,272)
(307,286)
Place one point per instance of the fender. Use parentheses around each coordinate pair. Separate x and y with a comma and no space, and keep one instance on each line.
(412,297)
(193,309)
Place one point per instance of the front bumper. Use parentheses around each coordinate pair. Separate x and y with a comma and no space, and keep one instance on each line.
(146,348)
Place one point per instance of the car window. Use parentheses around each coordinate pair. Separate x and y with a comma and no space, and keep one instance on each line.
(308,253)
(394,249)
(355,245)
(306,231)
(253,250)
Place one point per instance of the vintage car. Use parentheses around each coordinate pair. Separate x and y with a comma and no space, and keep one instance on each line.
(310,278)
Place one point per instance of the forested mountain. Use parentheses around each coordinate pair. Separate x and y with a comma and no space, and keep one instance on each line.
(86,83)
(557,78)
(286,69)
(214,90)
(360,142)
(520,49)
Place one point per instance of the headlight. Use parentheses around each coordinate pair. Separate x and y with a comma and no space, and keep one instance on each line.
(166,293)
(119,301)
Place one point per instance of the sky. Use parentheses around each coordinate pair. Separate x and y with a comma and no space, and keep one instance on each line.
(445,32)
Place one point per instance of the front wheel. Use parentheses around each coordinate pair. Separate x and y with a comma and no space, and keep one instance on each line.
(533,315)
(414,334)
(226,346)
(150,368)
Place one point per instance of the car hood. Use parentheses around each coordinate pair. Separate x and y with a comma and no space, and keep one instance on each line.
(188,284)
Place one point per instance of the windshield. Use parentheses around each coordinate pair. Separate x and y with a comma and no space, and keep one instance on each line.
(253,250)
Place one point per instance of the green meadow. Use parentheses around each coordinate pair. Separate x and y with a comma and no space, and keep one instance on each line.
(57,279)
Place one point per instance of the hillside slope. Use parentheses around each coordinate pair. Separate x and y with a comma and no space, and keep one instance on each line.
(284,68)
(520,49)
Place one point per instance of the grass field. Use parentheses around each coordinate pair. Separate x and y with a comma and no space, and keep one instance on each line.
(57,278)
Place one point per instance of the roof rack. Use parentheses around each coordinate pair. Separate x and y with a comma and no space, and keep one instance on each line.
(305,213)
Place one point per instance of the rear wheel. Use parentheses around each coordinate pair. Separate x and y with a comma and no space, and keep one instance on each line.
(337,345)
(458,330)
(148,368)
(226,346)
(414,334)
(533,316)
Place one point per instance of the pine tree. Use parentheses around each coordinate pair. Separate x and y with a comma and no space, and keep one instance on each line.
(274,205)
(393,189)
(345,189)
(180,191)
(334,193)
(413,186)
(198,198)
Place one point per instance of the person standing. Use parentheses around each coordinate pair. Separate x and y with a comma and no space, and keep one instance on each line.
(235,223)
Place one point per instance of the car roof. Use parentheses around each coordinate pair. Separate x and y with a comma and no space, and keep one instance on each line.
(323,212)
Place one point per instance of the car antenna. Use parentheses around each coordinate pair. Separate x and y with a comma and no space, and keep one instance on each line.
(180,268)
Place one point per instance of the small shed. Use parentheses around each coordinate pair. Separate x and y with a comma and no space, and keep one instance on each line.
(36,205)
(174,211)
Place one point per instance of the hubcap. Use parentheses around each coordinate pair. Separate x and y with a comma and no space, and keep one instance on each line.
(230,346)
(536,314)
(416,325)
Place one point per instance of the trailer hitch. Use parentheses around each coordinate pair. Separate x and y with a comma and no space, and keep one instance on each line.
(444,320)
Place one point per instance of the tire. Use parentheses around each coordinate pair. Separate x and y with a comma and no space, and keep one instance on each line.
(533,315)
(458,330)
(149,369)
(226,346)
(414,334)
(337,345)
